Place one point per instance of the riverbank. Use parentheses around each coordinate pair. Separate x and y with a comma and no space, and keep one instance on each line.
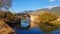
(5,29)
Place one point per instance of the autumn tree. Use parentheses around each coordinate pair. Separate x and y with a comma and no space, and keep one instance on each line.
(47,17)
(44,24)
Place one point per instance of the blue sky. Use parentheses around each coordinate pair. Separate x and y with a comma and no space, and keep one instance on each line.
(22,5)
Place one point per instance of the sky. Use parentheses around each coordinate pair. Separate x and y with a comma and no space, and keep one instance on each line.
(23,5)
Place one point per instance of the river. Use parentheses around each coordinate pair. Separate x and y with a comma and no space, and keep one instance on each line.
(35,30)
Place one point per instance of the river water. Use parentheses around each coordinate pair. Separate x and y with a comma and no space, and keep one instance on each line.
(35,30)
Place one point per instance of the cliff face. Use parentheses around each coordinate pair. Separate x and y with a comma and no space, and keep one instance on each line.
(5,29)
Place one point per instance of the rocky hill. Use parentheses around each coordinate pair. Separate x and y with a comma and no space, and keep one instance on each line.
(54,10)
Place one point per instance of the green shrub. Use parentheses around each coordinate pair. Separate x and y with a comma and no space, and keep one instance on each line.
(9,16)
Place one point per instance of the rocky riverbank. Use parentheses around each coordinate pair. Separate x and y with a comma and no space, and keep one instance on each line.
(6,29)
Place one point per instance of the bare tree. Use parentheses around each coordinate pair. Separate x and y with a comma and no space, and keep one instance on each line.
(1,4)
(8,4)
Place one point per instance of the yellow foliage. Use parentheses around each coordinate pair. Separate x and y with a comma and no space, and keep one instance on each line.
(56,23)
(46,17)
(48,22)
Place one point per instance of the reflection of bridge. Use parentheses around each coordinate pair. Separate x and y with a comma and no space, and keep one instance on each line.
(19,17)
(32,18)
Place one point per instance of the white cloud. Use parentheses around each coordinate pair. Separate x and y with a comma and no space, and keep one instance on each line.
(50,7)
(51,0)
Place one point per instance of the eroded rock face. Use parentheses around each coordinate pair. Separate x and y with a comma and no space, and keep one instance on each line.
(4,28)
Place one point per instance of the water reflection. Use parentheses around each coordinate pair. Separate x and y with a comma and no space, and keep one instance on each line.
(30,31)
(56,32)
(25,22)
(41,29)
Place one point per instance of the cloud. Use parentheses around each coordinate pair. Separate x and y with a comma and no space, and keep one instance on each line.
(51,0)
(50,7)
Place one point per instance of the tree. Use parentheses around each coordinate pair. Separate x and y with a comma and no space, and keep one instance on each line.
(1,14)
(9,17)
(47,17)
(1,4)
(8,4)
(45,24)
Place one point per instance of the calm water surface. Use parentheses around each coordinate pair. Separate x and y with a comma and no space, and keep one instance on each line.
(33,30)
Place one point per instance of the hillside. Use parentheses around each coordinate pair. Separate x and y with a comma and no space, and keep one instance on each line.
(54,10)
